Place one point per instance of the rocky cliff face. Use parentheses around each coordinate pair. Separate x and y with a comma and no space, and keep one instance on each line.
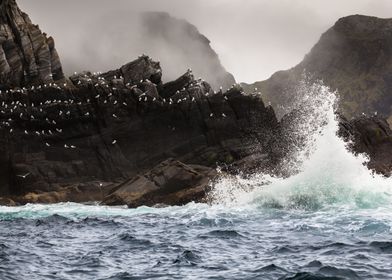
(112,126)
(27,56)
(354,57)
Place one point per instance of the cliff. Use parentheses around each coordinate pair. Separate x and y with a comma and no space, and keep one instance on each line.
(353,57)
(27,56)
(107,128)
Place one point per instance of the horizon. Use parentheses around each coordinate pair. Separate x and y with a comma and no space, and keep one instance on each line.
(276,38)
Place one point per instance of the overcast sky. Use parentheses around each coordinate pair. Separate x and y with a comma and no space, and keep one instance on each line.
(254,38)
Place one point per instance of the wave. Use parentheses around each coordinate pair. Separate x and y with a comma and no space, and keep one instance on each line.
(325,171)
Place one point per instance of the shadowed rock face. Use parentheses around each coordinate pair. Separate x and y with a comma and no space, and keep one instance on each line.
(27,56)
(373,137)
(354,57)
(112,126)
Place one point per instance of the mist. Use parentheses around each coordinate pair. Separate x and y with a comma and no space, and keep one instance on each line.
(253,40)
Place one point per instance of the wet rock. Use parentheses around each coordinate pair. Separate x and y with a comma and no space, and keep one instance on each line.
(171,183)
(371,136)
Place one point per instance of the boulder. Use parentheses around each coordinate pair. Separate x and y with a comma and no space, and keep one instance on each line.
(171,183)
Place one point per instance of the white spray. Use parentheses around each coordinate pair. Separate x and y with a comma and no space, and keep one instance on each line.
(326,172)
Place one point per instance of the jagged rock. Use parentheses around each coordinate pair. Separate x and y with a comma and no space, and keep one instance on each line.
(354,57)
(171,183)
(27,56)
(373,137)
(104,130)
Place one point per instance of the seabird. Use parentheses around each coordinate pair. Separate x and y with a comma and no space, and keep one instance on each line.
(114,142)
(24,176)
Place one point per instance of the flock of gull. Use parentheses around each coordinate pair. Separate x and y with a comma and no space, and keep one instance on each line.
(25,111)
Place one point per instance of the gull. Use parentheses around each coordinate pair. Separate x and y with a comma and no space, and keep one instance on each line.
(73,147)
(212,114)
(125,104)
(226,98)
(66,146)
(114,116)
(114,142)
(24,176)
(87,114)
(154,99)
(47,144)
(193,99)
(11,130)
(26,132)
(224,115)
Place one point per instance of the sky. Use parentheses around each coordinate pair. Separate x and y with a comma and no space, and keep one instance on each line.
(253,38)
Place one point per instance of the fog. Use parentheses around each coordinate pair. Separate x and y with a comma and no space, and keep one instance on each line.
(254,38)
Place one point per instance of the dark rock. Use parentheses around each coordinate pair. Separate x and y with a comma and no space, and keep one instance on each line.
(106,128)
(27,56)
(171,183)
(370,136)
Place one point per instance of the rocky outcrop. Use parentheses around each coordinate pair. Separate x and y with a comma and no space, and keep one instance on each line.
(353,57)
(27,56)
(110,127)
(373,137)
(171,182)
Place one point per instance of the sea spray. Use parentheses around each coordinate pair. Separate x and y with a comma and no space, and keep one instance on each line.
(323,171)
